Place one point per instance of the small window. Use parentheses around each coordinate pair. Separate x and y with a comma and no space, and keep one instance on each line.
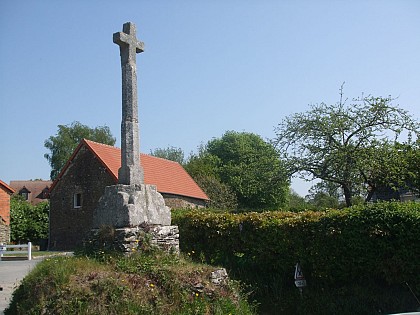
(77,200)
(24,192)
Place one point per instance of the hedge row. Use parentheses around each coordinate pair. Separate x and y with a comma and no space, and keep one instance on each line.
(369,244)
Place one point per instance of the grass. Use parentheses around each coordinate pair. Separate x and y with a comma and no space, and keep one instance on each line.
(145,283)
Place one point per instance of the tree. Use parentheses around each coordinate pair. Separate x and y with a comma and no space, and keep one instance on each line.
(324,195)
(28,222)
(66,140)
(412,156)
(170,153)
(296,203)
(220,194)
(336,143)
(203,168)
(248,165)
(395,166)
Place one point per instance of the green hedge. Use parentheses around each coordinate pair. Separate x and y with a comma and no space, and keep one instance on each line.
(343,253)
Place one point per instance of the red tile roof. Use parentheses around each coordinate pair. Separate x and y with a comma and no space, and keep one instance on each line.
(168,176)
(6,187)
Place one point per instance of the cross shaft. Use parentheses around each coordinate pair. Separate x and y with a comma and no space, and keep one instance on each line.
(131,172)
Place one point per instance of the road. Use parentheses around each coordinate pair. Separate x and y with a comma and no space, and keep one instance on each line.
(11,274)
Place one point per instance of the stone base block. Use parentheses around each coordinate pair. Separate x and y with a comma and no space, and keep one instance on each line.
(130,206)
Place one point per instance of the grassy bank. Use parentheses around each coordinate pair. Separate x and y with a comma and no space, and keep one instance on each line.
(145,283)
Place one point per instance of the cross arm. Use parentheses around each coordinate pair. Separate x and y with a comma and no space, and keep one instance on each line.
(123,39)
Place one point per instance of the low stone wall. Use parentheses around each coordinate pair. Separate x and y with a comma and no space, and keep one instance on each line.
(129,240)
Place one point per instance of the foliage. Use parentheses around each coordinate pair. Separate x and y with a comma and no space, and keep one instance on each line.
(144,283)
(338,143)
(325,195)
(296,203)
(220,194)
(203,164)
(411,153)
(28,222)
(63,144)
(391,168)
(356,260)
(248,165)
(170,153)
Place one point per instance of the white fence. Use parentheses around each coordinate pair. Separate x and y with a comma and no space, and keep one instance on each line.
(23,249)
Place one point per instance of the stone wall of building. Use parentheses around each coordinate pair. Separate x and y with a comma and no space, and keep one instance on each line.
(177,202)
(69,224)
(4,232)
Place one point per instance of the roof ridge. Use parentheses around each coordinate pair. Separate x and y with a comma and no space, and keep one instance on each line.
(111,146)
(106,145)
(30,180)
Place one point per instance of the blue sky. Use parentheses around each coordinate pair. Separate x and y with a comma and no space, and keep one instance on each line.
(208,67)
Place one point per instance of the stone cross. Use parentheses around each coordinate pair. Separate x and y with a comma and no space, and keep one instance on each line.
(131,172)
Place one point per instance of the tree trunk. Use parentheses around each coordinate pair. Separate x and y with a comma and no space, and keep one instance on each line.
(347,195)
(371,191)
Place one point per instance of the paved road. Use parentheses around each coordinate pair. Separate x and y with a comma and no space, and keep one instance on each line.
(11,273)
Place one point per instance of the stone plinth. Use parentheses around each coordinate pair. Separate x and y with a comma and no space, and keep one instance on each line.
(123,206)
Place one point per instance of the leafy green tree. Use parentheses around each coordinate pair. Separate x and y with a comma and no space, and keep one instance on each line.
(252,169)
(337,142)
(63,144)
(324,195)
(220,194)
(203,164)
(412,156)
(248,165)
(170,153)
(28,222)
(297,203)
(203,167)
(384,167)
(394,166)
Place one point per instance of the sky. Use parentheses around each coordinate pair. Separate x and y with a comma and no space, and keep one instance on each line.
(208,67)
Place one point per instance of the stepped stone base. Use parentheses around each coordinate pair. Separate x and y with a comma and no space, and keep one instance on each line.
(129,240)
(131,217)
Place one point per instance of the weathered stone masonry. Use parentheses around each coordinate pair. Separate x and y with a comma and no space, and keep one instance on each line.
(68,225)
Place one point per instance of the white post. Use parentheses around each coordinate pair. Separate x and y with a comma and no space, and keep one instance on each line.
(29,251)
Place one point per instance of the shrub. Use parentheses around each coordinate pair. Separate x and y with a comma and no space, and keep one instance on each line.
(28,222)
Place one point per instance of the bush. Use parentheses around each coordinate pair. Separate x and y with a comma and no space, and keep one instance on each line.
(28,222)
(368,252)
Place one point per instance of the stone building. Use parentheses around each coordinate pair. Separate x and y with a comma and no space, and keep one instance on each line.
(75,193)
(34,191)
(5,192)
